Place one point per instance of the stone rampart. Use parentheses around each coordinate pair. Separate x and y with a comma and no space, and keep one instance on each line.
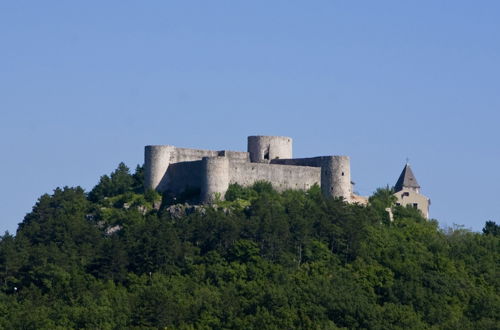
(335,173)
(188,155)
(158,161)
(171,169)
(282,177)
(184,176)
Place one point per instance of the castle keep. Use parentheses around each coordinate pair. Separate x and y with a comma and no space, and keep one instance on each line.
(169,169)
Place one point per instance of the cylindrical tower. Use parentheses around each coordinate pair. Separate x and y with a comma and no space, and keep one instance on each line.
(156,162)
(263,149)
(215,179)
(336,177)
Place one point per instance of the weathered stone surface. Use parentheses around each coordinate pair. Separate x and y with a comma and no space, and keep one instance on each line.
(282,177)
(177,211)
(263,149)
(269,158)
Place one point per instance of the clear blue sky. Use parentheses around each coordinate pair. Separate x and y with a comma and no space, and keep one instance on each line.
(86,84)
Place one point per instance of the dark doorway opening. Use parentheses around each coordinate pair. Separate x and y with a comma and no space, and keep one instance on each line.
(266,154)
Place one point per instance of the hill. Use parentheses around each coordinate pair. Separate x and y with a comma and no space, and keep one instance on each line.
(121,258)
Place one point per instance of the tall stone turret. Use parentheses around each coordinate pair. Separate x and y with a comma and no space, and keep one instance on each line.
(263,149)
(336,177)
(156,162)
(215,178)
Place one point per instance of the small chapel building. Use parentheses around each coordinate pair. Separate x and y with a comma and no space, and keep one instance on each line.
(407,192)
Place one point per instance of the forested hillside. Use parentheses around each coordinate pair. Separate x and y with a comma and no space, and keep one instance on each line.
(121,258)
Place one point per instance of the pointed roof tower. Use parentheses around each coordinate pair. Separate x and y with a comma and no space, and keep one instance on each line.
(407,180)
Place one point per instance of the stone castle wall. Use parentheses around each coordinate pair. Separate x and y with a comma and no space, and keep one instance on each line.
(282,177)
(168,167)
(335,173)
(174,170)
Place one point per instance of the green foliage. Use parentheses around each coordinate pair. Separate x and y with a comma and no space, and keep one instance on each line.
(235,192)
(238,192)
(120,181)
(491,228)
(259,259)
(382,199)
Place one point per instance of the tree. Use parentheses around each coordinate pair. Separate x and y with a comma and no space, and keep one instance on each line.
(260,259)
(382,199)
(119,182)
(491,228)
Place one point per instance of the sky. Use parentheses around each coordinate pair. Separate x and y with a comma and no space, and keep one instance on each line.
(85,85)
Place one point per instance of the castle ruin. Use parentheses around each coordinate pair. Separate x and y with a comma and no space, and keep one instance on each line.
(173,170)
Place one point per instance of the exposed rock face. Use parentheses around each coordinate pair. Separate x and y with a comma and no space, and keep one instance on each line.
(178,211)
(113,229)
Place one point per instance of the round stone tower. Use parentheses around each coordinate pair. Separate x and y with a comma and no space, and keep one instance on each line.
(263,149)
(156,162)
(215,178)
(336,177)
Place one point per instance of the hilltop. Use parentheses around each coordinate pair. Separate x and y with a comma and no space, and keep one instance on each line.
(120,257)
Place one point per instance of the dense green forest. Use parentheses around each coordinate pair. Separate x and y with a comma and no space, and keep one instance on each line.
(121,258)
